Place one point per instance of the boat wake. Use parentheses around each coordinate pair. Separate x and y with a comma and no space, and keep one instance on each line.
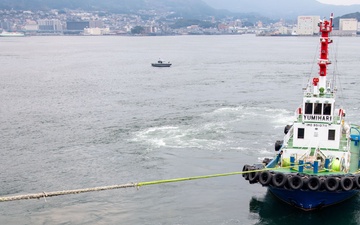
(223,129)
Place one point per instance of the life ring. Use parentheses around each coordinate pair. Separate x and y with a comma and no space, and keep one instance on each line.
(331,183)
(295,182)
(314,183)
(254,177)
(346,183)
(279,179)
(357,181)
(265,178)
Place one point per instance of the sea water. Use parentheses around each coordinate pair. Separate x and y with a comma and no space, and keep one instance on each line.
(80,112)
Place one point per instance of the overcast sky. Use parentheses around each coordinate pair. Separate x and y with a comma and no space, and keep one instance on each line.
(340,2)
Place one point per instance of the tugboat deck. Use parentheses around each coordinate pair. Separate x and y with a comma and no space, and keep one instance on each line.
(344,141)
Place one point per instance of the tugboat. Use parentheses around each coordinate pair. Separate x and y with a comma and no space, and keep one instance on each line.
(317,162)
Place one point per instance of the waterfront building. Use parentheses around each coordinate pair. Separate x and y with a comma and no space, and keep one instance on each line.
(31,25)
(50,25)
(308,25)
(96,31)
(349,24)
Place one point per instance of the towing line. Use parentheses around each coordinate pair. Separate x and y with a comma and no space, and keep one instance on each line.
(128,185)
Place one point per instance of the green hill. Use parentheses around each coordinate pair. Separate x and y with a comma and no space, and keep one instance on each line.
(355,15)
(184,8)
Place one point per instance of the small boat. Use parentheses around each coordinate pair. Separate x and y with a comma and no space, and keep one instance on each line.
(161,63)
(11,34)
(316,163)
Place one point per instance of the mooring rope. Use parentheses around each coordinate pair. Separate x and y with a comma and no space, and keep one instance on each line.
(65,192)
(137,185)
(194,178)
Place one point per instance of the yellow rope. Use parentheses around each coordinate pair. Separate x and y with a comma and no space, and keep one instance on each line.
(190,178)
(137,185)
(207,176)
(103,188)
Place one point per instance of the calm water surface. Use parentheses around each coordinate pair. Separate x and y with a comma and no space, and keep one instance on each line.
(80,112)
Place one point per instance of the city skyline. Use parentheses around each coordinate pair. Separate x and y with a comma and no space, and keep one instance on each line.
(337,2)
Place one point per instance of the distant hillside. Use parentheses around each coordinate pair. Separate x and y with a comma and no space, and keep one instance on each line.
(184,8)
(287,9)
(350,15)
(193,9)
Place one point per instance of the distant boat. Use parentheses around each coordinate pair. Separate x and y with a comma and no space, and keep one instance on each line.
(161,63)
(11,34)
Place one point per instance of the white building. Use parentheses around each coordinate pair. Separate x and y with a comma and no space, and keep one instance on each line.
(350,24)
(31,26)
(308,25)
(284,30)
(96,31)
(50,25)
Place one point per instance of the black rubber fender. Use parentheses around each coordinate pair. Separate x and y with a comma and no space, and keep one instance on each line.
(245,174)
(254,177)
(287,128)
(357,181)
(295,182)
(331,183)
(279,179)
(278,145)
(306,181)
(265,178)
(314,183)
(346,183)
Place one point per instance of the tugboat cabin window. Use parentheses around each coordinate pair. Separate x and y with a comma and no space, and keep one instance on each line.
(331,135)
(327,109)
(308,108)
(317,108)
(301,133)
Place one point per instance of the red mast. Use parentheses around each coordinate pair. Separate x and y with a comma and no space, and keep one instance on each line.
(325,29)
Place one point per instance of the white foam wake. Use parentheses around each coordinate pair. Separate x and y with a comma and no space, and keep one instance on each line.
(227,128)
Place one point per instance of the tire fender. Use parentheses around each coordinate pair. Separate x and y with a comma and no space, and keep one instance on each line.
(357,181)
(346,183)
(314,183)
(331,183)
(279,179)
(265,178)
(254,177)
(296,182)
(245,174)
